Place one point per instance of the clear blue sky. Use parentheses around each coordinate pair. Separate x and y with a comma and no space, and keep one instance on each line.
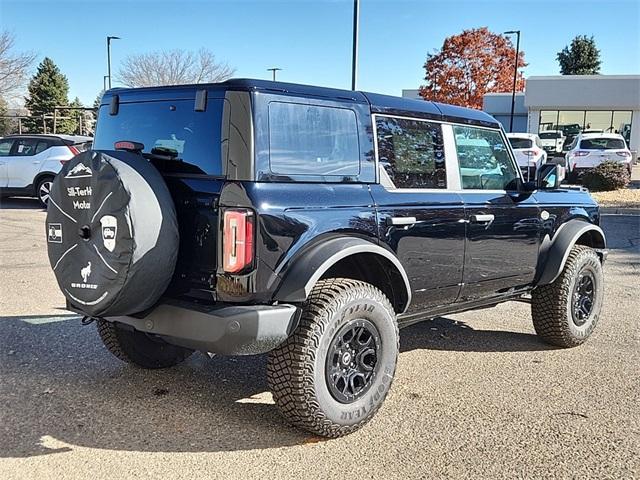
(311,40)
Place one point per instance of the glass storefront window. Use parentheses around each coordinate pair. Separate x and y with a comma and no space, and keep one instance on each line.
(573,122)
(622,124)
(548,118)
(595,120)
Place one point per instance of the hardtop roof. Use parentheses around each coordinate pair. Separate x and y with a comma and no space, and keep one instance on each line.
(387,104)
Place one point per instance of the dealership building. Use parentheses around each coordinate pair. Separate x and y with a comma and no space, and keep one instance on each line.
(610,103)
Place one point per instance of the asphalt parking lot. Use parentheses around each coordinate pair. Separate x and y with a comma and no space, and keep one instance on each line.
(476,395)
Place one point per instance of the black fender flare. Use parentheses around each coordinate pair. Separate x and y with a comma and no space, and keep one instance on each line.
(309,266)
(554,252)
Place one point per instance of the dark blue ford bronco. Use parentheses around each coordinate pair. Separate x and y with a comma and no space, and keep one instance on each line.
(249,216)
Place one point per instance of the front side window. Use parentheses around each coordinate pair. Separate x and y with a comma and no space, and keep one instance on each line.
(313,140)
(5,147)
(411,152)
(483,159)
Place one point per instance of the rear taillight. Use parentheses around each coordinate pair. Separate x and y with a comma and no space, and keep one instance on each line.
(237,240)
(624,154)
(73,149)
(580,153)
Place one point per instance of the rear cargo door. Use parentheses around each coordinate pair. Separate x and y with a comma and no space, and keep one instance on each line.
(186,144)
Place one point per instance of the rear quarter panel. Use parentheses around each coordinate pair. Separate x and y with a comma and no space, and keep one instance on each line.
(293,217)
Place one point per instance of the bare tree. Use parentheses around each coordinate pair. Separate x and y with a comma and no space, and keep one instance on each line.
(14,66)
(173,67)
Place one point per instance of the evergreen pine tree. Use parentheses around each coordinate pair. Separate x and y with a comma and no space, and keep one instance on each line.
(47,89)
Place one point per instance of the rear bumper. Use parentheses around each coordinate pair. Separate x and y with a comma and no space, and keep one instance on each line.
(228,329)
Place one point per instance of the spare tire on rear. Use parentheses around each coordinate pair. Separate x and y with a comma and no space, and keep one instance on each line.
(112,233)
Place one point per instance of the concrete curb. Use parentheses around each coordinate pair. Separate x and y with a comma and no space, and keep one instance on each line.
(619,211)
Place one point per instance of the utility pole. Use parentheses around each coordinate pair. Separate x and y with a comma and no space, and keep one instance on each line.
(274,70)
(109,56)
(515,76)
(354,55)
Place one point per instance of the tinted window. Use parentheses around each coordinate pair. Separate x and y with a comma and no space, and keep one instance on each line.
(602,144)
(41,146)
(412,152)
(549,135)
(167,127)
(5,147)
(24,147)
(520,142)
(313,140)
(483,159)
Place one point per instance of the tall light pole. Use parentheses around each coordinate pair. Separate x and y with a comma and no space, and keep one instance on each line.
(354,53)
(109,57)
(515,76)
(274,70)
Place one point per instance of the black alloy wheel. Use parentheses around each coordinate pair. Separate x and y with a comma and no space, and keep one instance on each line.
(352,360)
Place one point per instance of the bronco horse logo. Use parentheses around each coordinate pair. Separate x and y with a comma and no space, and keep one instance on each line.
(85,272)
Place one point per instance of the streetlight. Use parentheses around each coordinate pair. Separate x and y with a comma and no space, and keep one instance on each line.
(515,76)
(354,53)
(109,56)
(274,70)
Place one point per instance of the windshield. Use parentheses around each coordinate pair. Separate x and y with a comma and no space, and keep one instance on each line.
(602,144)
(192,140)
(517,142)
(549,135)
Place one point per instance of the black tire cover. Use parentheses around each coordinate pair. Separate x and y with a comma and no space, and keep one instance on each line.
(112,233)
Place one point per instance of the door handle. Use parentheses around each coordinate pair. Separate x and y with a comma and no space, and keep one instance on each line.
(35,162)
(401,220)
(486,218)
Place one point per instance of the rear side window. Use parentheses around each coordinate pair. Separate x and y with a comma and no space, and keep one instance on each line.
(313,140)
(483,159)
(169,128)
(411,152)
(41,146)
(602,144)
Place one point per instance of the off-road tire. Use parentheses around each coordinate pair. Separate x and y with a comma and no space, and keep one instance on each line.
(551,305)
(138,348)
(296,370)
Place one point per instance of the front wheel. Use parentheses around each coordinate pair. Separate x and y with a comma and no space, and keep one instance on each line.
(566,311)
(333,373)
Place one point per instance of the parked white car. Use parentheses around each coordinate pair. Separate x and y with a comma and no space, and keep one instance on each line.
(590,150)
(552,141)
(529,153)
(28,163)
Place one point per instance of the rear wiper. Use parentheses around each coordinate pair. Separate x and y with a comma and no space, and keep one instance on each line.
(162,153)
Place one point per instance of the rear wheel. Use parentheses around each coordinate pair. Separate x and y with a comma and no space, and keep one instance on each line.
(139,348)
(333,374)
(43,190)
(566,311)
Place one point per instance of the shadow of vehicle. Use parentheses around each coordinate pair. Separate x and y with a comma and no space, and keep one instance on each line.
(443,333)
(58,381)
(20,203)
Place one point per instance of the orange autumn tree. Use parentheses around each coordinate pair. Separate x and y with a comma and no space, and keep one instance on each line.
(469,65)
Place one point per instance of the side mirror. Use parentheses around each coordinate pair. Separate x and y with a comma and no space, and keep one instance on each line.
(549,176)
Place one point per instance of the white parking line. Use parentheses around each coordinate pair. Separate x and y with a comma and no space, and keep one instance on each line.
(44,320)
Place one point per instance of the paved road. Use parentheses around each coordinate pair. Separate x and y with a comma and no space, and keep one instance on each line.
(476,395)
